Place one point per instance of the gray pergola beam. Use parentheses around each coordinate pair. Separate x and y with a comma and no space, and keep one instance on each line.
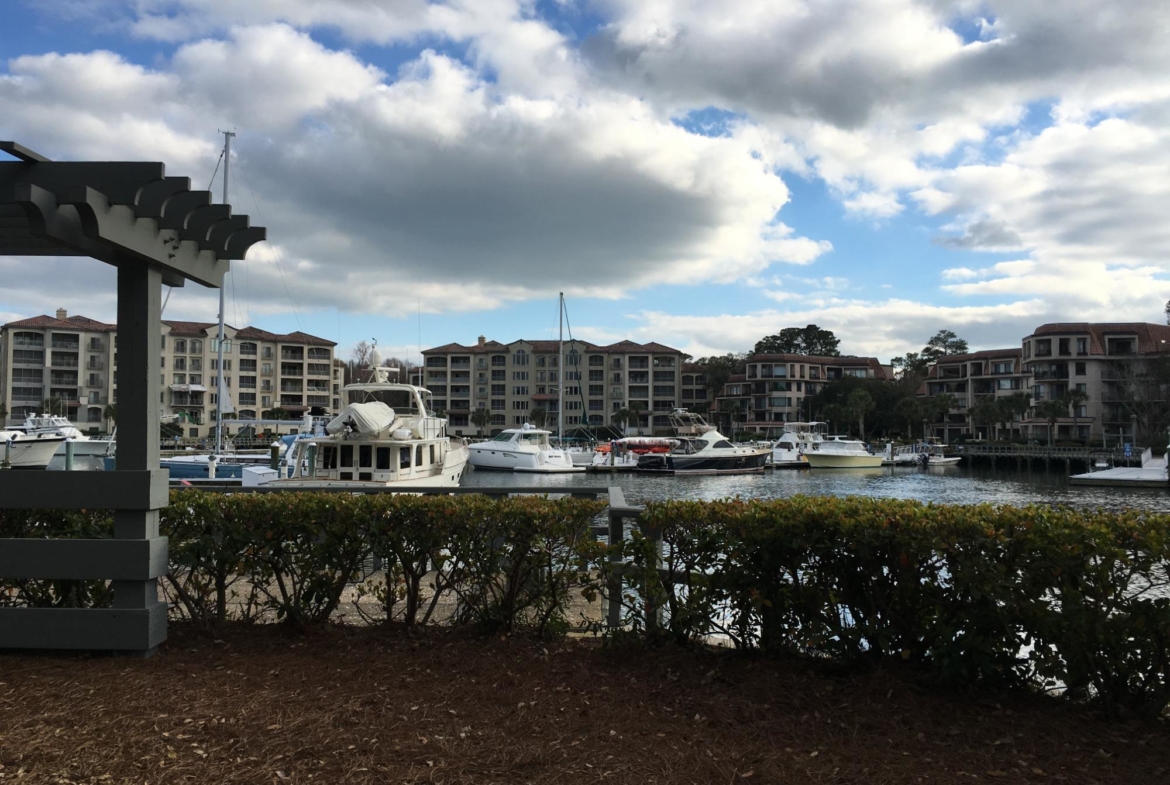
(83,560)
(120,489)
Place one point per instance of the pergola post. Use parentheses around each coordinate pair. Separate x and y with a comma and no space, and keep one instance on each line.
(155,230)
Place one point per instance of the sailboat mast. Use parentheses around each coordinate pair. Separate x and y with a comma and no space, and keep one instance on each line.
(227,158)
(561,370)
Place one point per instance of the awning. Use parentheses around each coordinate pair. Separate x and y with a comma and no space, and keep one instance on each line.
(188,388)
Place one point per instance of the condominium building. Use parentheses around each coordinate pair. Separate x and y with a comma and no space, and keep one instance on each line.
(1103,362)
(773,388)
(970,378)
(514,380)
(73,359)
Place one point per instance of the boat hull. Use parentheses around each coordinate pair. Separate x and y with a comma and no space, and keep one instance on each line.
(454,466)
(547,462)
(816,461)
(751,463)
(33,453)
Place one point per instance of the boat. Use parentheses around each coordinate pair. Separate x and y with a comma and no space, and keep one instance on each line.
(707,453)
(788,450)
(386,435)
(623,454)
(920,454)
(524,449)
(29,450)
(840,452)
(56,425)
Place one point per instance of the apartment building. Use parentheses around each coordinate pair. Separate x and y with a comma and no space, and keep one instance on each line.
(694,393)
(1097,360)
(74,359)
(773,388)
(513,380)
(971,378)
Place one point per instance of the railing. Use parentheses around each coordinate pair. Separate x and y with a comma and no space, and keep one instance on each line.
(72,347)
(63,362)
(286,354)
(29,343)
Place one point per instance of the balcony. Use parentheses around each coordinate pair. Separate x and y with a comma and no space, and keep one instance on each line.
(66,345)
(319,354)
(297,355)
(95,346)
(63,361)
(248,350)
(96,364)
(291,387)
(318,400)
(30,343)
(291,400)
(63,380)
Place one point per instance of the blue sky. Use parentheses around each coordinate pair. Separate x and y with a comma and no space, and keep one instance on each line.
(691,172)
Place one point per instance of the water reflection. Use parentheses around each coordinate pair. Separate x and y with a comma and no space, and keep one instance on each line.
(941,484)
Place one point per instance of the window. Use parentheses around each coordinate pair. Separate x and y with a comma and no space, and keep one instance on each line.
(347,456)
(227,345)
(519,406)
(520,357)
(383,459)
(179,378)
(1079,369)
(403,457)
(365,456)
(1062,346)
(227,365)
(180,346)
(499,360)
(520,389)
(597,376)
(195,364)
(180,364)
(519,376)
(418,455)
(596,361)
(1082,345)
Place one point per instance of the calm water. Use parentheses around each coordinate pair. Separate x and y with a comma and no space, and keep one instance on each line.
(949,485)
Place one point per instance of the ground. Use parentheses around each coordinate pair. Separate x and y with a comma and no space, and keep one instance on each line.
(261,704)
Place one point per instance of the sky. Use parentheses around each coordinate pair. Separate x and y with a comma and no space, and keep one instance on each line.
(699,173)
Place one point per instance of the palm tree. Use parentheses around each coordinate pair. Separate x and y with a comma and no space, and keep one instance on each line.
(53,406)
(985,411)
(1051,410)
(481,417)
(910,410)
(636,409)
(538,416)
(622,418)
(1075,398)
(859,404)
(733,412)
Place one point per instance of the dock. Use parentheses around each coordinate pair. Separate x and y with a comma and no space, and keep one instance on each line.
(1151,474)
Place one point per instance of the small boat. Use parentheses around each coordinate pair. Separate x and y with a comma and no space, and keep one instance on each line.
(916,455)
(839,452)
(524,449)
(386,435)
(788,451)
(623,454)
(29,450)
(708,453)
(55,425)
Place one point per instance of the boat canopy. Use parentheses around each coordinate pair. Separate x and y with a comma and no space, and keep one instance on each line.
(373,417)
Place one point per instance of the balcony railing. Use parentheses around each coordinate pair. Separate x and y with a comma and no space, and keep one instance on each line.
(71,347)
(63,362)
(29,343)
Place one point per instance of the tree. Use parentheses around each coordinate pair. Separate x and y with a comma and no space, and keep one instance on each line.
(636,409)
(359,359)
(910,410)
(943,343)
(1011,407)
(1051,410)
(937,407)
(1075,398)
(859,404)
(622,418)
(810,340)
(1167,311)
(111,412)
(1140,388)
(481,417)
(985,411)
(538,416)
(733,412)
(54,406)
(3,412)
(277,414)
(718,369)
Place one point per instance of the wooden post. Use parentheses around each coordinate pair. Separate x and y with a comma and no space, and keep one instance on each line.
(616,535)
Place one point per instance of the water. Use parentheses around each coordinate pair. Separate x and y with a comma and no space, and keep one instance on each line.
(943,484)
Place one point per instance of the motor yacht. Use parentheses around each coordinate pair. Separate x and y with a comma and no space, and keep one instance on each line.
(524,449)
(56,425)
(29,450)
(840,452)
(707,453)
(788,451)
(387,435)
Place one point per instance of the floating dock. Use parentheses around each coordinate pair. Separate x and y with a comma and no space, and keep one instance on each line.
(1152,476)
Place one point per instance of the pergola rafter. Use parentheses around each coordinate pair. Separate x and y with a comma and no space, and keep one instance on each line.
(155,230)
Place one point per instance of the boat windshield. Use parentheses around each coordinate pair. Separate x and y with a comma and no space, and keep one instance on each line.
(534,438)
(723,444)
(503,437)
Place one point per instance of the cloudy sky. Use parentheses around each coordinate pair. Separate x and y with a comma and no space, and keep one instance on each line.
(696,172)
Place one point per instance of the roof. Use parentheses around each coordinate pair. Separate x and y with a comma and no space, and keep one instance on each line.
(550,347)
(985,354)
(84,323)
(70,323)
(1151,338)
(190,328)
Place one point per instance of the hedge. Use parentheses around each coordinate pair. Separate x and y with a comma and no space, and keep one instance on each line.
(1072,602)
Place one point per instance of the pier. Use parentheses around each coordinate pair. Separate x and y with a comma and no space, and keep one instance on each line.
(1023,456)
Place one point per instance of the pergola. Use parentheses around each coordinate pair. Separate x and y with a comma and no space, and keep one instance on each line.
(155,230)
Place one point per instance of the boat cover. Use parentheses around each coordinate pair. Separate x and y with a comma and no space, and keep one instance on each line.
(372,417)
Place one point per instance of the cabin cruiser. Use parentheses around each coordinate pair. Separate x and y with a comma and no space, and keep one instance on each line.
(525,449)
(29,450)
(708,453)
(788,451)
(55,425)
(387,435)
(840,452)
(624,453)
(920,454)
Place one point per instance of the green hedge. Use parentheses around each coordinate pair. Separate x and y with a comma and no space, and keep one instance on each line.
(1072,602)
(1075,602)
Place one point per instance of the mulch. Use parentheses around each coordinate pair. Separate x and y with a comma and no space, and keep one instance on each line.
(261,704)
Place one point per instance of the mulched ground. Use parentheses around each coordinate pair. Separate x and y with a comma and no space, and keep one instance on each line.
(383,706)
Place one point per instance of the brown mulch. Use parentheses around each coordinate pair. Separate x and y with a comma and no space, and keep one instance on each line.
(258,705)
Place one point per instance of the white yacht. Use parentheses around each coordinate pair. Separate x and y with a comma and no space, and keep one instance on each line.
(525,449)
(55,425)
(386,435)
(29,450)
(788,451)
(839,452)
(920,454)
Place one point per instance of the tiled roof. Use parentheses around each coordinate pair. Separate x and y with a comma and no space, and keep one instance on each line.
(69,323)
(190,328)
(879,371)
(1151,338)
(256,334)
(983,354)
